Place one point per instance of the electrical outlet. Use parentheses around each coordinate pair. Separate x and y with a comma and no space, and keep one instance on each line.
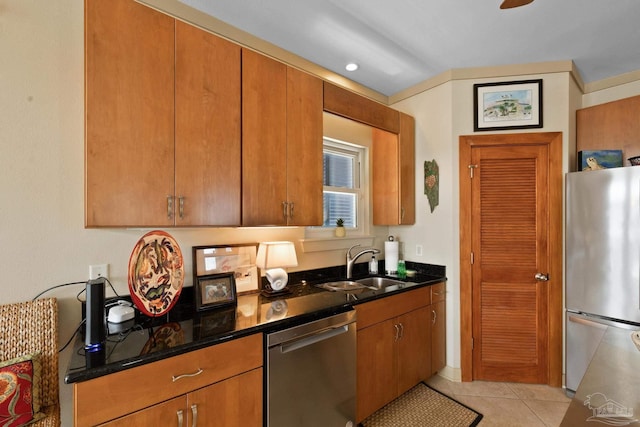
(99,270)
(418,250)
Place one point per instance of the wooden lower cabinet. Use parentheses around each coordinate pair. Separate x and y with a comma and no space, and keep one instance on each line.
(394,348)
(234,402)
(220,385)
(401,342)
(438,328)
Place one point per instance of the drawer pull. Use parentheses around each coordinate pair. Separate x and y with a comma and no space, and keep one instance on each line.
(194,412)
(180,418)
(175,378)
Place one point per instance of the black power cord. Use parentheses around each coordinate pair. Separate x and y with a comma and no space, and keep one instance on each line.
(78,298)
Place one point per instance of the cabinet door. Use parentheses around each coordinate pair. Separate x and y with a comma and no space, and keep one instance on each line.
(129,108)
(386,178)
(304,148)
(169,413)
(377,367)
(264,140)
(414,349)
(438,336)
(235,402)
(406,140)
(207,140)
(393,174)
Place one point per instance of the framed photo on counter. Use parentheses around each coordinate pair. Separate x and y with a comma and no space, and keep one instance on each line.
(216,290)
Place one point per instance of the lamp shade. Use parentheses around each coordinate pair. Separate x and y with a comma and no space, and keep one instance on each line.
(276,255)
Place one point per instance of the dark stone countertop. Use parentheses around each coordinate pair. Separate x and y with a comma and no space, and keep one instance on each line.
(183,329)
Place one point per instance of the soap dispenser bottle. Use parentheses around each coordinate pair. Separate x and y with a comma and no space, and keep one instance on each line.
(373,265)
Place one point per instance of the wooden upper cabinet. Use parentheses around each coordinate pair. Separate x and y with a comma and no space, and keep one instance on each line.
(407,190)
(610,126)
(281,144)
(393,174)
(356,107)
(393,154)
(129,107)
(304,148)
(264,140)
(386,177)
(162,120)
(207,140)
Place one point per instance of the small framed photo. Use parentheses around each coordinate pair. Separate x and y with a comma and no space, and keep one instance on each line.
(216,290)
(507,105)
(589,160)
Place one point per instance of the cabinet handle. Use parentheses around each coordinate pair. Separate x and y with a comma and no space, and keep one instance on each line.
(194,412)
(291,210)
(169,206)
(175,378)
(181,206)
(433,321)
(397,337)
(179,413)
(284,210)
(401,330)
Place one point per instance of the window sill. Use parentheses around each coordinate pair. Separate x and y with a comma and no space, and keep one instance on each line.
(335,243)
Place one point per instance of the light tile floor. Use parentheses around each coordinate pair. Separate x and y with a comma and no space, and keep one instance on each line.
(508,404)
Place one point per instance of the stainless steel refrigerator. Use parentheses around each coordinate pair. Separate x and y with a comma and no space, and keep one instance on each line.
(603,282)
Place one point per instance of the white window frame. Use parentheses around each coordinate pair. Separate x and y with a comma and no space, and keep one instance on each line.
(361,190)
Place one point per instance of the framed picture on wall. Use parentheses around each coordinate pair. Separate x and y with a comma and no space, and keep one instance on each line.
(216,290)
(507,105)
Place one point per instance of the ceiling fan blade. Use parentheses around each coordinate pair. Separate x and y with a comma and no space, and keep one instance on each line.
(508,4)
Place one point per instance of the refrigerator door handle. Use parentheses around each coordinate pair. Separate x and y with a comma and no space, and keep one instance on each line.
(599,322)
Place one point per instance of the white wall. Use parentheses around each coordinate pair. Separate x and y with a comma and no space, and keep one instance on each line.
(443,114)
(42,235)
(43,239)
(435,231)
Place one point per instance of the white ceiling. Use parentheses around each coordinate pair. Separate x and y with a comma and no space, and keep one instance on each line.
(399,43)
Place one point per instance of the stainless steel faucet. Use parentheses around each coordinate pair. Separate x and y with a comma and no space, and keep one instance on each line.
(352,259)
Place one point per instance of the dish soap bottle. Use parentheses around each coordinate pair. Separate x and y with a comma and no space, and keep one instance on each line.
(373,265)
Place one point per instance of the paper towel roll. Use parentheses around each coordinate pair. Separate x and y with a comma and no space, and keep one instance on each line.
(391,250)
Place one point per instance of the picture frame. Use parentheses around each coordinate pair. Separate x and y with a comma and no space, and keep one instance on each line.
(237,258)
(589,160)
(507,105)
(215,290)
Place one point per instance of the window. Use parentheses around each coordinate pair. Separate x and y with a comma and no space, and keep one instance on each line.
(343,194)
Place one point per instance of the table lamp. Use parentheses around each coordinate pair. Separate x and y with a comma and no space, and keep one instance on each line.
(274,257)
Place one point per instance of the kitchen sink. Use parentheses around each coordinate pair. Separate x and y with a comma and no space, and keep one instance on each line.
(380,283)
(343,285)
(368,283)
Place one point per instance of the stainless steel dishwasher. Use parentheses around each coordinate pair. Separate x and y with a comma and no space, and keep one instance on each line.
(311,374)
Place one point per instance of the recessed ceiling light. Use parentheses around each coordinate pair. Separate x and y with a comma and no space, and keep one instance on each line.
(352,66)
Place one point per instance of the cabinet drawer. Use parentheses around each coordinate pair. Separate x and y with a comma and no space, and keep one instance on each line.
(382,309)
(438,292)
(104,398)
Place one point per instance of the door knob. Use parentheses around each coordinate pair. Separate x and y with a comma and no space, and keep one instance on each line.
(542,277)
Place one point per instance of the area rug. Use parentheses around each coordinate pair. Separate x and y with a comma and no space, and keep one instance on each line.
(423,406)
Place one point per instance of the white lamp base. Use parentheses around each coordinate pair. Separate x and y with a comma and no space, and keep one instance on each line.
(278,279)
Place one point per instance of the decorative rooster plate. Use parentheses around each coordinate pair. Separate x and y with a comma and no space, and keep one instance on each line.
(156,273)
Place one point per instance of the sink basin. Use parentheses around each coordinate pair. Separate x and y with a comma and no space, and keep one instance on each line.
(368,283)
(342,285)
(380,282)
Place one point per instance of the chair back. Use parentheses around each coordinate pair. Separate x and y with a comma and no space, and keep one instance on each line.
(28,327)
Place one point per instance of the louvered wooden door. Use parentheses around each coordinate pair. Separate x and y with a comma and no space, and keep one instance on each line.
(510,224)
